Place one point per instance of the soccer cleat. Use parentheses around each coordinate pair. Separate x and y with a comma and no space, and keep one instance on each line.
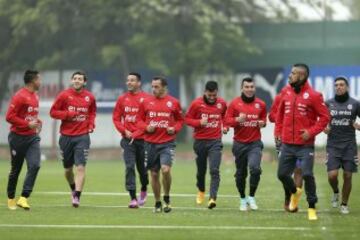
(312,214)
(167,208)
(294,200)
(142,199)
(344,209)
(252,203)
(158,207)
(200,197)
(75,200)
(211,203)
(243,204)
(335,200)
(11,203)
(22,202)
(133,204)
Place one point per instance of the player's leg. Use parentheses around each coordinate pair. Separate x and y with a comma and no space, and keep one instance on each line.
(254,159)
(129,155)
(143,174)
(333,164)
(215,151)
(166,159)
(239,151)
(201,152)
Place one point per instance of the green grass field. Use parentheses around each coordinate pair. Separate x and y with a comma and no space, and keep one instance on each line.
(104,214)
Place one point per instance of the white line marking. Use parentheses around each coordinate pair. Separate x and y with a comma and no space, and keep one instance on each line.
(127,194)
(154,227)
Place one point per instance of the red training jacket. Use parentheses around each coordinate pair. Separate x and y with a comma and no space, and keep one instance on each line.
(305,110)
(215,113)
(23,108)
(126,110)
(76,110)
(161,113)
(249,130)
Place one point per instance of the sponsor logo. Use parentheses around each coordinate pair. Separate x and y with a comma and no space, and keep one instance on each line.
(159,124)
(350,107)
(13,152)
(306,95)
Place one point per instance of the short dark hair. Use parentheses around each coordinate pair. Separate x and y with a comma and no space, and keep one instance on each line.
(303,66)
(138,76)
(161,79)
(211,86)
(30,75)
(80,73)
(247,79)
(342,78)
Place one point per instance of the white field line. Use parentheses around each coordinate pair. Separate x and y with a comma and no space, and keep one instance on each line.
(164,227)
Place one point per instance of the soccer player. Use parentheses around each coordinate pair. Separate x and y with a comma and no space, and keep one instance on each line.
(76,108)
(297,172)
(124,118)
(341,145)
(24,140)
(302,115)
(206,115)
(160,116)
(247,115)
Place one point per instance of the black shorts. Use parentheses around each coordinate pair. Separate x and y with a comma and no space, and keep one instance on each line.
(344,157)
(158,154)
(74,150)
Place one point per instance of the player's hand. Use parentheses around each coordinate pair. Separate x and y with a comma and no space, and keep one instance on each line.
(225,130)
(327,129)
(128,134)
(203,121)
(39,128)
(305,135)
(261,124)
(150,129)
(170,130)
(356,125)
(34,124)
(241,118)
(277,140)
(71,114)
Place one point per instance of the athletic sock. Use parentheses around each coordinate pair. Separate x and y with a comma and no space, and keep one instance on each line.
(311,205)
(167,199)
(344,204)
(144,188)
(158,204)
(78,194)
(132,194)
(72,186)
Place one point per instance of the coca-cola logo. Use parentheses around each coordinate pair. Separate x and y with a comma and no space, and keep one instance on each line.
(159,124)
(340,122)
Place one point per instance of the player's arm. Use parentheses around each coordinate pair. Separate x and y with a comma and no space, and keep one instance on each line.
(323,115)
(57,110)
(178,117)
(12,115)
(274,108)
(92,115)
(231,116)
(117,116)
(262,117)
(279,120)
(141,119)
(225,127)
(356,124)
(190,117)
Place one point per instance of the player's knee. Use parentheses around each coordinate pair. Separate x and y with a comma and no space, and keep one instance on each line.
(240,174)
(214,172)
(255,171)
(308,176)
(165,169)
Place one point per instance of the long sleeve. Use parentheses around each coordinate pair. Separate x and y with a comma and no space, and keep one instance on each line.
(92,114)
(12,116)
(274,108)
(323,116)
(230,120)
(57,110)
(190,117)
(279,119)
(118,117)
(179,118)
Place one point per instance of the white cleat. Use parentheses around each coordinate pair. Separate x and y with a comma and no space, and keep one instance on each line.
(252,203)
(243,204)
(335,200)
(344,209)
